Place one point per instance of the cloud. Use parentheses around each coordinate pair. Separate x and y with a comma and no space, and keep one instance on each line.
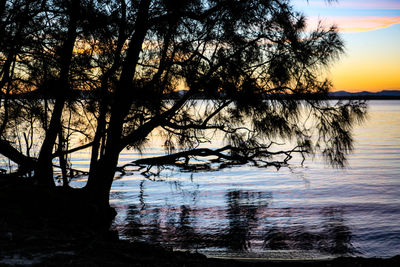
(354,4)
(356,24)
(370,4)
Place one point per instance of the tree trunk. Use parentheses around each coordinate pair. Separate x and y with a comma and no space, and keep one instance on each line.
(25,163)
(44,170)
(102,176)
(62,159)
(44,166)
(99,137)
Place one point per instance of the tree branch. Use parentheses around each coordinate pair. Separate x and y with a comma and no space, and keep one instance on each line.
(223,157)
(24,162)
(58,153)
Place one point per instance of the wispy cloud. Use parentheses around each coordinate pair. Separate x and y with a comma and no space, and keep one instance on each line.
(357,24)
(370,4)
(356,4)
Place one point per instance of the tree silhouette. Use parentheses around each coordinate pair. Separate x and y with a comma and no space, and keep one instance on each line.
(247,70)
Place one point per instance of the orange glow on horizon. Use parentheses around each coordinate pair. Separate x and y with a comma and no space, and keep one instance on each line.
(355,76)
(371,33)
(371,62)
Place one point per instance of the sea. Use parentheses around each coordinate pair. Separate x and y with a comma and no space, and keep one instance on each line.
(302,211)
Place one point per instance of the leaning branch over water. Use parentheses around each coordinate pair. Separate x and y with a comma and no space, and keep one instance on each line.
(202,158)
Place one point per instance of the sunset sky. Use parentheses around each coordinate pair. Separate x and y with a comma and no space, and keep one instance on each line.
(371,31)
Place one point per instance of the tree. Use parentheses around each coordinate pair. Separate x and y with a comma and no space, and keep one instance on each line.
(246,69)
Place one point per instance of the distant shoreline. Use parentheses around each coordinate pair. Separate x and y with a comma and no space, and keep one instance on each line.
(364,97)
(336,95)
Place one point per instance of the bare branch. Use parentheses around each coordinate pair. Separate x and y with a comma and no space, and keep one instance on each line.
(58,153)
(221,158)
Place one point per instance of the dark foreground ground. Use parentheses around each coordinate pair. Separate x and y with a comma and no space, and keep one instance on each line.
(60,229)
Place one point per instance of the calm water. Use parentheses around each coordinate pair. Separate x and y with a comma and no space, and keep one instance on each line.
(310,211)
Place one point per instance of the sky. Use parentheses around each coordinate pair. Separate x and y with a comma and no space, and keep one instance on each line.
(371,32)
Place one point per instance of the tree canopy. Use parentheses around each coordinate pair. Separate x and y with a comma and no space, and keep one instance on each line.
(248,70)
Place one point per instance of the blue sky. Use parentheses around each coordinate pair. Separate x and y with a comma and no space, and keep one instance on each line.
(371,31)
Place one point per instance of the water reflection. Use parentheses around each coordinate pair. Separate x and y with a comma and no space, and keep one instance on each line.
(336,234)
(133,222)
(188,237)
(242,213)
(332,236)
(243,224)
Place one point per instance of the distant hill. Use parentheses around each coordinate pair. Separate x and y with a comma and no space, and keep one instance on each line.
(385,94)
